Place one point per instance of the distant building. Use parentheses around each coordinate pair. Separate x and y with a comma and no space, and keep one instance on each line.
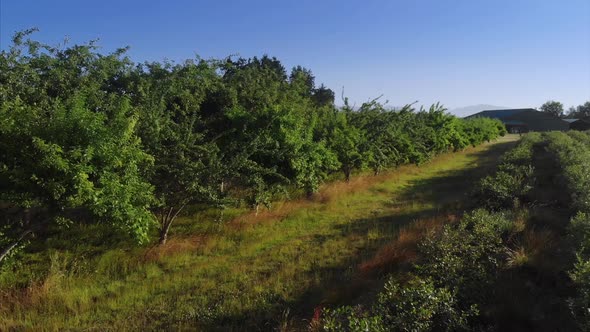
(580,124)
(523,120)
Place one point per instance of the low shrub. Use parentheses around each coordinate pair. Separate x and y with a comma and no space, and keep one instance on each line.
(458,268)
(572,152)
(416,306)
(465,257)
(580,303)
(573,157)
(506,188)
(514,178)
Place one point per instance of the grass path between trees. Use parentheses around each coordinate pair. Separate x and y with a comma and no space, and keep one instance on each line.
(257,272)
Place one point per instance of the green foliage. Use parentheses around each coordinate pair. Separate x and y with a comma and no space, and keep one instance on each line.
(552,107)
(580,303)
(572,152)
(347,143)
(187,168)
(582,137)
(580,111)
(271,133)
(90,134)
(378,138)
(416,306)
(67,142)
(579,232)
(466,257)
(238,277)
(455,277)
(7,240)
(479,130)
(514,178)
(573,156)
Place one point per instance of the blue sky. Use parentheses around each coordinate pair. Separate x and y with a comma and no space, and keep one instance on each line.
(502,52)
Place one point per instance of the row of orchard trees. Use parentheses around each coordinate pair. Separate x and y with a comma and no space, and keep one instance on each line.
(83,133)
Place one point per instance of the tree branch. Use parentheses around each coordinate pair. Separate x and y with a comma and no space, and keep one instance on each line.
(8,249)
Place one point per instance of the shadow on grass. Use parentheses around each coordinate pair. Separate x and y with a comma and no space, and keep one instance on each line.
(422,198)
(454,187)
(534,297)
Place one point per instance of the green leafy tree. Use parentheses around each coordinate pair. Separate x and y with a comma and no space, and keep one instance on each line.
(346,141)
(277,126)
(581,111)
(323,96)
(552,107)
(311,162)
(63,149)
(261,123)
(186,168)
(101,134)
(303,81)
(385,142)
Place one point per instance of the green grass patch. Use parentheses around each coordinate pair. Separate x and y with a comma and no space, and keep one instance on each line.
(223,275)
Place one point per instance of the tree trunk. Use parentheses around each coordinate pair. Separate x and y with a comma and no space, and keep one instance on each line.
(347,174)
(8,249)
(166,221)
(164,233)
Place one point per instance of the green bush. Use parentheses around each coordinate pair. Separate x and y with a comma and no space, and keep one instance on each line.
(455,276)
(416,306)
(579,233)
(465,257)
(572,152)
(514,178)
(573,156)
(507,187)
(129,142)
(580,303)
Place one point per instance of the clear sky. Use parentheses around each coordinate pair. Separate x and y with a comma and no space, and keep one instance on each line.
(503,52)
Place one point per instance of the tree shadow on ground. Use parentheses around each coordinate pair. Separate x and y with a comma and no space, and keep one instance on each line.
(445,192)
(534,297)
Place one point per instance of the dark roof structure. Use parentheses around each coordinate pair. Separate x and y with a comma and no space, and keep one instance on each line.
(525,119)
(580,124)
(500,114)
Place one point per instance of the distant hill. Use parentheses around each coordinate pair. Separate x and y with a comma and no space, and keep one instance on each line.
(468,110)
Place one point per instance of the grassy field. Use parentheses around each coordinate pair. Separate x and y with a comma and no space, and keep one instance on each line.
(255,272)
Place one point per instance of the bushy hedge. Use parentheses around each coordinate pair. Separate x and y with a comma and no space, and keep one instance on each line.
(459,268)
(512,181)
(573,156)
(417,305)
(453,280)
(572,152)
(137,142)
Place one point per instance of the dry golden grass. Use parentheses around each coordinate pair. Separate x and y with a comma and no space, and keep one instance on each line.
(174,246)
(538,241)
(279,211)
(531,248)
(331,191)
(517,257)
(32,295)
(402,251)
